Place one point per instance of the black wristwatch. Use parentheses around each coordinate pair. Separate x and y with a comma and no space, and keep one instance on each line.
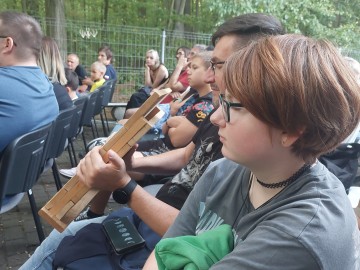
(122,195)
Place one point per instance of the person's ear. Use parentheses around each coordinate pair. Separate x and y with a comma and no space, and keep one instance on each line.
(68,89)
(288,139)
(8,45)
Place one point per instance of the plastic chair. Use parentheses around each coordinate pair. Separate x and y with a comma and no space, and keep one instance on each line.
(58,141)
(98,105)
(88,113)
(105,101)
(75,128)
(20,167)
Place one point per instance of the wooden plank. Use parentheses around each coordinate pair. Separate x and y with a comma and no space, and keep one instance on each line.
(74,196)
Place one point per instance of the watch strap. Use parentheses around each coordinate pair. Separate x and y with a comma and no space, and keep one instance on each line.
(129,188)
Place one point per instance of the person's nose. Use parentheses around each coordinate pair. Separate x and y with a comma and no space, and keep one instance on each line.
(217,118)
(209,76)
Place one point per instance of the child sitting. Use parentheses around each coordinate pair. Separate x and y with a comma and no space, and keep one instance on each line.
(98,70)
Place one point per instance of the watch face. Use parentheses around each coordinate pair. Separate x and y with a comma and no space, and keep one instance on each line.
(121,196)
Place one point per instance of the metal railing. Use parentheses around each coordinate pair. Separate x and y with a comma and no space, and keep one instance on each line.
(128,44)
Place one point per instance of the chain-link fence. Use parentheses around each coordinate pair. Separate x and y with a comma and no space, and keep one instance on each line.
(128,44)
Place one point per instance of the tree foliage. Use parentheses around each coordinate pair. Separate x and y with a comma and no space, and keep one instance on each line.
(337,20)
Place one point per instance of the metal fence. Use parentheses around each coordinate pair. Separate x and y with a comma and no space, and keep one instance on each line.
(128,44)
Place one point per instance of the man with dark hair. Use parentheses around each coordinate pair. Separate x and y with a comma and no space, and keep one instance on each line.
(106,57)
(72,83)
(159,212)
(24,87)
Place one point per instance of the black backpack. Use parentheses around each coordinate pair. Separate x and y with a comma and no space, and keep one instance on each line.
(343,162)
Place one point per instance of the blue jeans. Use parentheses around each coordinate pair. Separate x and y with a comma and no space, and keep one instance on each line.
(45,253)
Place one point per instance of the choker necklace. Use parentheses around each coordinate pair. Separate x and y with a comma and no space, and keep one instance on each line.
(286,182)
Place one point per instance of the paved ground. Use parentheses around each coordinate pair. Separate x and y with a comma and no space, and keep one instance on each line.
(18,237)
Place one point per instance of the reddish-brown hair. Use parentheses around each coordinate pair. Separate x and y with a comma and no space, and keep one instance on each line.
(298,85)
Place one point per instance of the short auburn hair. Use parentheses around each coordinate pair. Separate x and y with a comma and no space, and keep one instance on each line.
(299,85)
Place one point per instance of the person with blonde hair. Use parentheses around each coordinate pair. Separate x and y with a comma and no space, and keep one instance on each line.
(155,72)
(98,70)
(52,65)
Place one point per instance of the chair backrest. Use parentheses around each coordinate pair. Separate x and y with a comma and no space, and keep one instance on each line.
(113,87)
(88,112)
(107,94)
(80,104)
(22,161)
(99,100)
(60,132)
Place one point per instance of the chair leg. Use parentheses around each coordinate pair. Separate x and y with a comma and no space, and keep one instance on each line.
(36,217)
(96,129)
(56,175)
(107,121)
(84,139)
(74,153)
(103,125)
(70,156)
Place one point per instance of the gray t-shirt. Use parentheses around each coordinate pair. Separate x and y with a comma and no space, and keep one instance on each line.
(309,225)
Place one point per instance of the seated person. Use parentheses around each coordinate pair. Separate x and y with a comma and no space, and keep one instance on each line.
(177,83)
(155,72)
(52,65)
(105,56)
(355,67)
(270,190)
(179,129)
(97,75)
(73,63)
(72,83)
(204,149)
(24,88)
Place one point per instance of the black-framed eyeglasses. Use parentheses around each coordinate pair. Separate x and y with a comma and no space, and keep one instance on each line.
(7,37)
(214,64)
(226,105)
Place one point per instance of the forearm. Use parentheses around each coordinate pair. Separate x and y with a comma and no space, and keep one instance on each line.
(151,263)
(147,78)
(181,131)
(155,213)
(166,163)
(174,77)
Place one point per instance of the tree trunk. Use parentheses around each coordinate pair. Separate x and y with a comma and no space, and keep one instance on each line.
(55,12)
(180,7)
(170,15)
(106,11)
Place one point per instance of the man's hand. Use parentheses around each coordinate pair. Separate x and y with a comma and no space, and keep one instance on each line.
(95,173)
(129,157)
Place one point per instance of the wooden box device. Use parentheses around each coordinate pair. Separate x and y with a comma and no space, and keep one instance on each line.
(74,196)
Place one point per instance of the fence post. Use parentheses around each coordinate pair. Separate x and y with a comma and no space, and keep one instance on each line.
(163,41)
